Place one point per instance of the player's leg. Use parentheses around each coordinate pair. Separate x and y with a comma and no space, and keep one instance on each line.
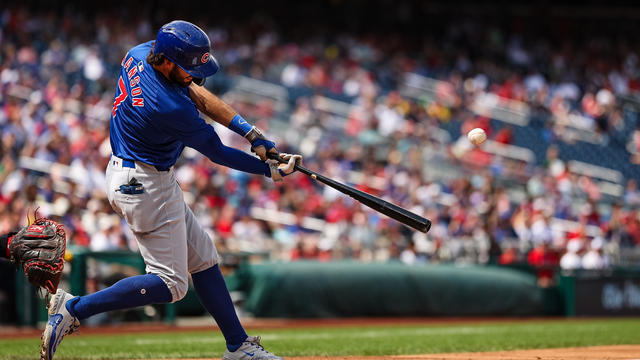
(66,310)
(158,224)
(161,236)
(209,283)
(214,295)
(127,293)
(165,254)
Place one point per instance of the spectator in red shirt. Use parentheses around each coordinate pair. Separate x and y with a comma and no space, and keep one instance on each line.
(504,136)
(545,260)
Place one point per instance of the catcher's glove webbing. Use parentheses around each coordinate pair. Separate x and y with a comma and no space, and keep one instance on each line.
(39,249)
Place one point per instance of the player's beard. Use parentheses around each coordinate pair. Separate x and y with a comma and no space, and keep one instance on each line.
(176,77)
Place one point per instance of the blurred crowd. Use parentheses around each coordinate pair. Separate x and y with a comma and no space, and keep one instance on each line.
(57,80)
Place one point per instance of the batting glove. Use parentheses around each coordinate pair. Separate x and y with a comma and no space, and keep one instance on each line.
(260,145)
(280,170)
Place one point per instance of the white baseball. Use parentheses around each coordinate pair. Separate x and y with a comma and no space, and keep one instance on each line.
(477,136)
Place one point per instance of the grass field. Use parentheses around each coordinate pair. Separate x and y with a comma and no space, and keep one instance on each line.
(344,340)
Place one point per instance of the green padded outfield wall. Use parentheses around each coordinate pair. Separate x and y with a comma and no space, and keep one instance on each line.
(340,289)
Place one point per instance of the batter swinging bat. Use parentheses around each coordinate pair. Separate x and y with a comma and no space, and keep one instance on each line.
(393,211)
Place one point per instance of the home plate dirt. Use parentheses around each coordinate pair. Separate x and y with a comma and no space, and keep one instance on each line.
(616,352)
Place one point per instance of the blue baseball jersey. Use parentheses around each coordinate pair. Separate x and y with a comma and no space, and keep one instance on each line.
(153,119)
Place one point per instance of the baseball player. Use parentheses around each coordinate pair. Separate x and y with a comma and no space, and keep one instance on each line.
(155,115)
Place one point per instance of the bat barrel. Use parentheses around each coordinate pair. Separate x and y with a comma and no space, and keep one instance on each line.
(396,212)
(393,211)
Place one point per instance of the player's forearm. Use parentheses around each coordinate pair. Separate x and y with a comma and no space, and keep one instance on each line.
(211,105)
(239,160)
(222,113)
(210,145)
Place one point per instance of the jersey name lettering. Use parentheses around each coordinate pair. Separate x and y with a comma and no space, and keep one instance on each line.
(126,65)
(136,93)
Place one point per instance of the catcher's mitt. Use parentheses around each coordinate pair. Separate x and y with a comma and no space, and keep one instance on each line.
(39,249)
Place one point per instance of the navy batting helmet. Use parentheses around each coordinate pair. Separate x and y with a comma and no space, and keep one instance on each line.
(187,46)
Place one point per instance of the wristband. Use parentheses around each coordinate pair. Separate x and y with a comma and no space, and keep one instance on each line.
(240,126)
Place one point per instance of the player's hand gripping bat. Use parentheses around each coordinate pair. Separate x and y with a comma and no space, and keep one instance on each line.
(393,211)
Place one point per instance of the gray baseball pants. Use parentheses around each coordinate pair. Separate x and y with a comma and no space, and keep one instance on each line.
(171,241)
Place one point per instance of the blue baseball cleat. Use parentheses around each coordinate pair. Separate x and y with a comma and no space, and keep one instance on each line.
(60,323)
(250,350)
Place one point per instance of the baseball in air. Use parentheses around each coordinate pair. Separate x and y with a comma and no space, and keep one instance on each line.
(477,136)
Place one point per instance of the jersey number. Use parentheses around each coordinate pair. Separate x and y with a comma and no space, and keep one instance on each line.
(120,98)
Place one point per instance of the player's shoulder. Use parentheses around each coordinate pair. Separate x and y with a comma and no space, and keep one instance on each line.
(141,51)
(170,98)
(163,96)
(176,100)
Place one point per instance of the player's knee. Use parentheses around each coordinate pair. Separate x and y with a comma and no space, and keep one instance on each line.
(204,265)
(180,290)
(178,286)
(207,258)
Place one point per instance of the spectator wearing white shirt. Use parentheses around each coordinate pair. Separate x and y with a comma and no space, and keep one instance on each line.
(594,259)
(572,260)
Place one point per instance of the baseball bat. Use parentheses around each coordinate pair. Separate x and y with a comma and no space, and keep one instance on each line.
(393,211)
